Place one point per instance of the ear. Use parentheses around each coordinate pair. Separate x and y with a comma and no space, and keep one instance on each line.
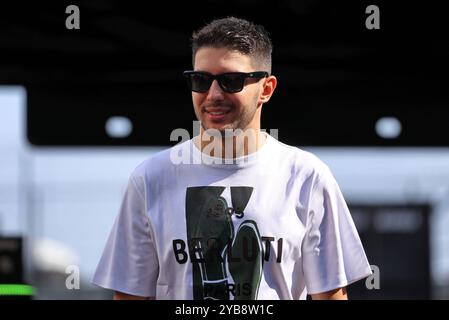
(268,89)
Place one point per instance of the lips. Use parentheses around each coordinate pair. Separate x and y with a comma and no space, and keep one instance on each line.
(216,113)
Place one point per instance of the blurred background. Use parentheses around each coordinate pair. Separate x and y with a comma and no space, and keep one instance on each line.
(81,108)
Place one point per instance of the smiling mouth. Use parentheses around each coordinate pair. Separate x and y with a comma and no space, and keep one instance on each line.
(217,113)
(217,110)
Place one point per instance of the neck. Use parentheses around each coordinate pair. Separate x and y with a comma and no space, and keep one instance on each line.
(229,145)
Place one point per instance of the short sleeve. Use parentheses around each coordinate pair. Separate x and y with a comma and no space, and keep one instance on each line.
(129,262)
(333,255)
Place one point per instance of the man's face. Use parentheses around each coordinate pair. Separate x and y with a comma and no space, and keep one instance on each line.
(217,109)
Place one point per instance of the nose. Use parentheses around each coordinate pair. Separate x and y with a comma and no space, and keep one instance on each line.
(215,92)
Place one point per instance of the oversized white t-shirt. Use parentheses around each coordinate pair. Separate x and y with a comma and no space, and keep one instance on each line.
(271,225)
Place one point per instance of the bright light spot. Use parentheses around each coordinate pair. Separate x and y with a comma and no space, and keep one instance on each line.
(388,127)
(119,127)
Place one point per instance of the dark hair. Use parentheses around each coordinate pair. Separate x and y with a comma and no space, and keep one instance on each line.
(236,34)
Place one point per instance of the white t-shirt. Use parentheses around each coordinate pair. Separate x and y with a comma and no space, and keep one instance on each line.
(271,225)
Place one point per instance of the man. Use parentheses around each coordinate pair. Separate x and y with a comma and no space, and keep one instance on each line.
(239,215)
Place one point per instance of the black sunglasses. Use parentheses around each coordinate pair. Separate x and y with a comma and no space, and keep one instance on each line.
(230,82)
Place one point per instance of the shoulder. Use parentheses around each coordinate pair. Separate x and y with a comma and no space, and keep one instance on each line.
(302,161)
(159,164)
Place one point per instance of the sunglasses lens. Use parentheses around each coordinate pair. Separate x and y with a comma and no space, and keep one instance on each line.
(232,82)
(200,82)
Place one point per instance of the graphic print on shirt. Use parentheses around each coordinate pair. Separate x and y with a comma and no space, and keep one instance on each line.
(224,262)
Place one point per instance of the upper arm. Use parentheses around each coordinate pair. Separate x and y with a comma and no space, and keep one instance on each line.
(332,252)
(337,294)
(129,262)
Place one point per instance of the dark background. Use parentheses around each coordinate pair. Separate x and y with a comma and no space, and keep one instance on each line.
(396,239)
(336,78)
